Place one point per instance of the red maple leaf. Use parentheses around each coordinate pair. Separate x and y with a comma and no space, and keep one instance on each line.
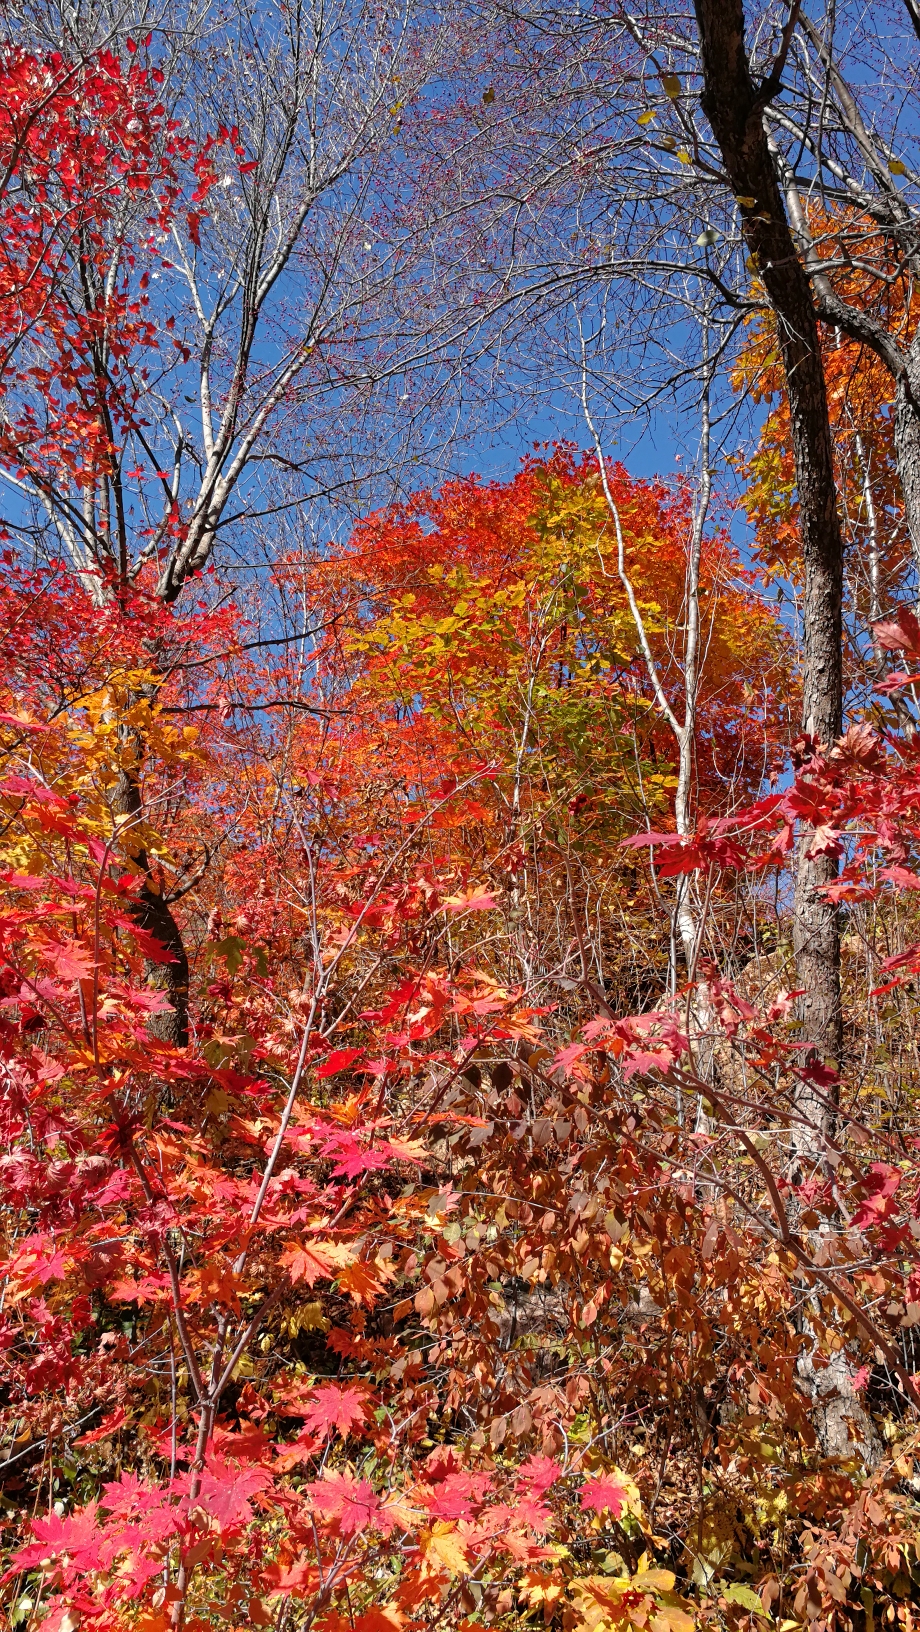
(108,1425)
(351,1502)
(902,876)
(881,1182)
(69,961)
(477,899)
(901,634)
(604,1492)
(538,1473)
(334,1407)
(225,1491)
(78,1535)
(338,1060)
(453,1496)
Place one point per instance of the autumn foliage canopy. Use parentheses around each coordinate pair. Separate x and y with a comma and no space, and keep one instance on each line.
(463,1258)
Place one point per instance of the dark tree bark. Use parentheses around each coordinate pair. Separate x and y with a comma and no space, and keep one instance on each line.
(913,12)
(152,913)
(734,106)
(894,217)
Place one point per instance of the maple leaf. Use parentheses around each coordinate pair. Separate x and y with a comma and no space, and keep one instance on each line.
(146,1289)
(151,1001)
(880,1182)
(213,1283)
(148,944)
(901,634)
(78,1535)
(351,1502)
(642,1061)
(303,1577)
(295,1451)
(532,1513)
(861,746)
(226,1491)
(24,724)
(363,1281)
(538,1473)
(605,1493)
(129,1495)
(338,1060)
(69,961)
(24,881)
(335,1408)
(825,841)
(314,1261)
(351,1157)
(454,1495)
(540,1588)
(816,1071)
(902,876)
(23,787)
(567,1057)
(405,1150)
(848,890)
(109,1425)
(895,682)
(477,899)
(380,1618)
(247,1443)
(446,1546)
(35,1264)
(636,840)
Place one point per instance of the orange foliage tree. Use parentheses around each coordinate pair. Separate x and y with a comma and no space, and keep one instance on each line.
(859,390)
(481,641)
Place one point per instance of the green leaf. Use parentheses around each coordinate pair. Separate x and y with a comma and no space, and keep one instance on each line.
(231,949)
(745,1596)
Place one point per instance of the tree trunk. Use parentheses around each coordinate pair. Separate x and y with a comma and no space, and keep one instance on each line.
(907,445)
(734,106)
(152,913)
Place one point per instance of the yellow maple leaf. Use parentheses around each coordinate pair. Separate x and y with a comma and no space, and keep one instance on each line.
(445,1545)
(540,1588)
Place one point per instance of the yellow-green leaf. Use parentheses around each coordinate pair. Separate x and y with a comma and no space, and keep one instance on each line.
(745,1596)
